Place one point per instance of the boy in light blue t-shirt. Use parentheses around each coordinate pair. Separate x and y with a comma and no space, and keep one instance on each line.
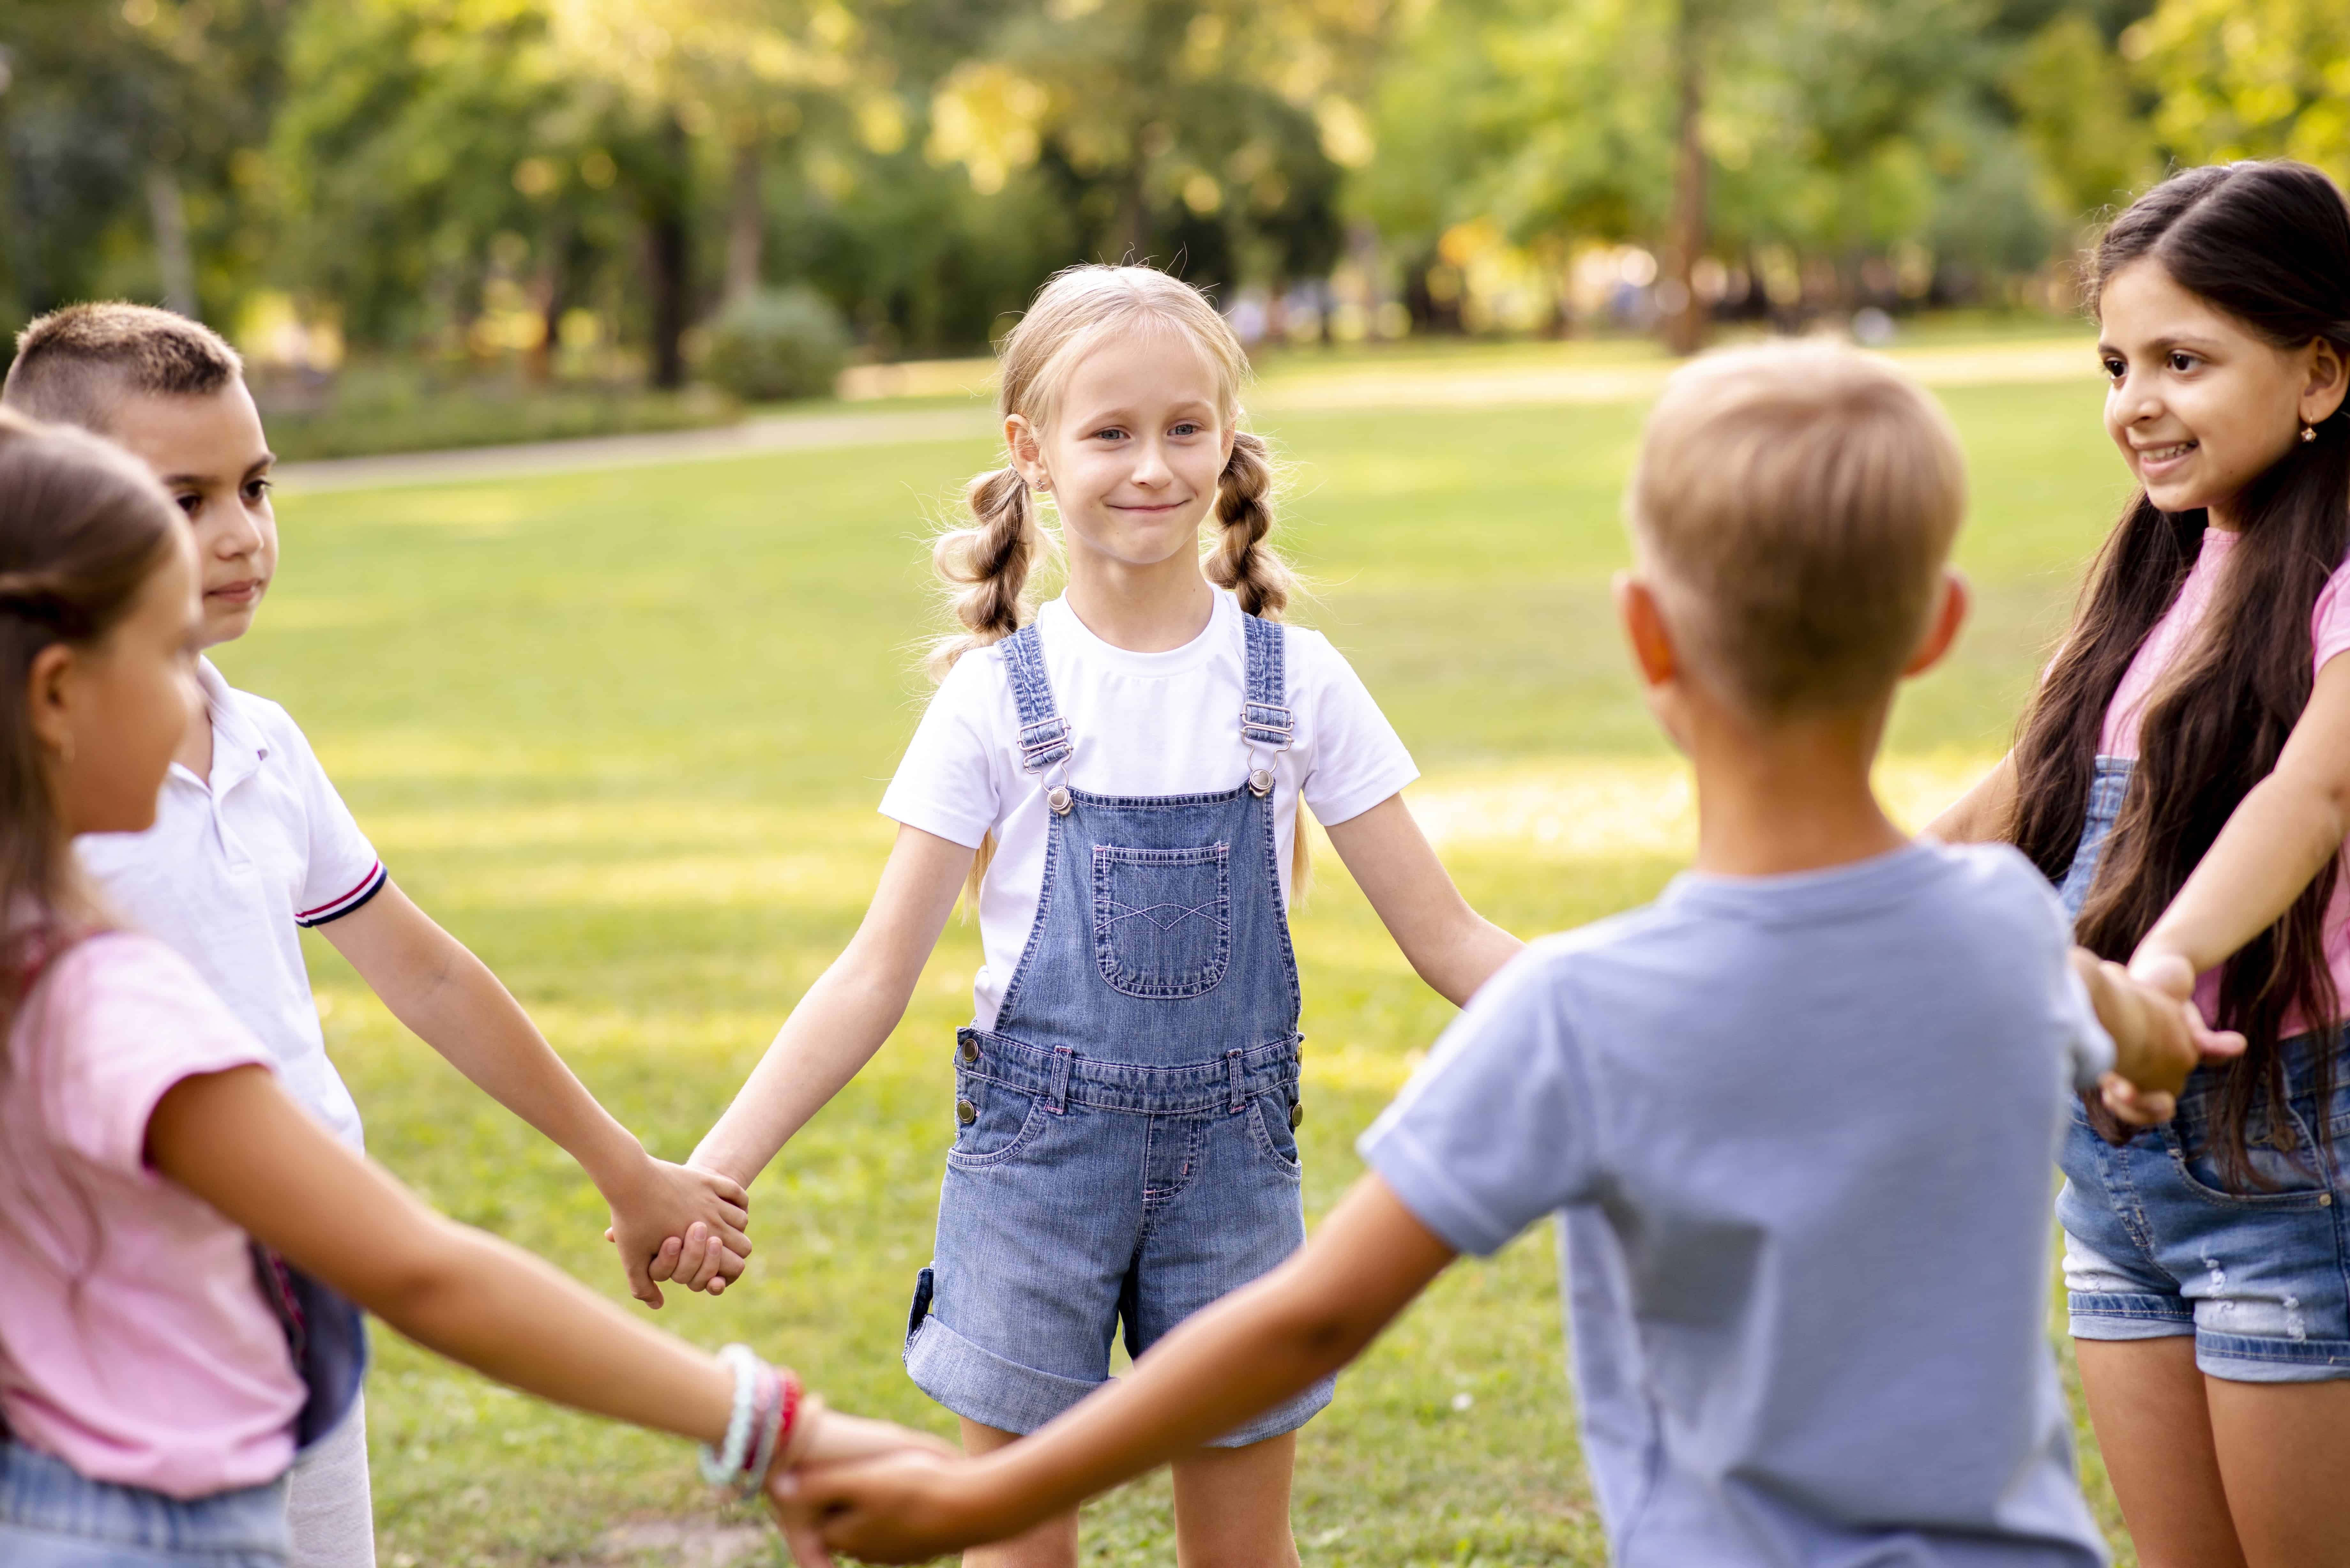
(1799,1112)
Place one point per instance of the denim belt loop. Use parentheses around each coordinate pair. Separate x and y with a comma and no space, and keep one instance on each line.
(1232,1069)
(1063,1057)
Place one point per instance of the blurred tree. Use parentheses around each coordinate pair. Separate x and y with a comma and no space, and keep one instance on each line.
(1210,135)
(129,138)
(2080,113)
(2248,78)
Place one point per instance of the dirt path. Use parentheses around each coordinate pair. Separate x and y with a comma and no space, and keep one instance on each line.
(1435,386)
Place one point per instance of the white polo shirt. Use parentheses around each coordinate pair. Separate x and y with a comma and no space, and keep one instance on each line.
(235,865)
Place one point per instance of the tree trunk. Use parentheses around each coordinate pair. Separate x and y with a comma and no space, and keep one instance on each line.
(176,267)
(669,257)
(1684,314)
(746,222)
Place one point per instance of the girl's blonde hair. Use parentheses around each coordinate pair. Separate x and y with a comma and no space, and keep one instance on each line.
(986,563)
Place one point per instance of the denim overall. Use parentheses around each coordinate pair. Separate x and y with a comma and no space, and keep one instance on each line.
(1124,1150)
(2160,1243)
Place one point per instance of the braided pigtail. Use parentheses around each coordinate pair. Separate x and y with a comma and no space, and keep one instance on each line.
(1242,560)
(988,562)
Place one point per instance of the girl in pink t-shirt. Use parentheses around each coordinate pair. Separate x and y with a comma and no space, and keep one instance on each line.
(2185,773)
(149,1396)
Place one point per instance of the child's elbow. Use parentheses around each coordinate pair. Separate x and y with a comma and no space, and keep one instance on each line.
(415,1285)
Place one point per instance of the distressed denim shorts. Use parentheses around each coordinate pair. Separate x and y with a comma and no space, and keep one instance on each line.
(1082,1195)
(50,1517)
(2157,1243)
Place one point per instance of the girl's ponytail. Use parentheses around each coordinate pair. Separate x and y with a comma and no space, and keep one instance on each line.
(1242,560)
(989,563)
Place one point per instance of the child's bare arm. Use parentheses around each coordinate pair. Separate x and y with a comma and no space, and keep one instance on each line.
(434,985)
(1451,947)
(2280,836)
(848,1012)
(1257,1346)
(235,1140)
(1983,813)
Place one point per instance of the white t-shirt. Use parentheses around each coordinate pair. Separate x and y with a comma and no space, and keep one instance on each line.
(234,865)
(1142,724)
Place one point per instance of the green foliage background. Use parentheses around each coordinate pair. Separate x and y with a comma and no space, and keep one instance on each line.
(410,170)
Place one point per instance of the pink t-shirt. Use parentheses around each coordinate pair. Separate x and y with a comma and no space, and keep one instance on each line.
(2329,630)
(167,1369)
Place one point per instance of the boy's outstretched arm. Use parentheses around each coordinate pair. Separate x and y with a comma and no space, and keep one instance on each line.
(1254,1348)
(1449,945)
(450,1001)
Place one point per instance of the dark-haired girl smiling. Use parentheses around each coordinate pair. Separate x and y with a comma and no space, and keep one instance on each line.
(2184,772)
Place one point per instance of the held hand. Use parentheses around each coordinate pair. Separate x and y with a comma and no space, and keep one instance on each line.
(839,1439)
(675,1222)
(906,1507)
(2169,976)
(2159,1037)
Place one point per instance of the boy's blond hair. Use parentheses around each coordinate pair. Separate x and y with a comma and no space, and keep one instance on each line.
(1797,502)
(74,366)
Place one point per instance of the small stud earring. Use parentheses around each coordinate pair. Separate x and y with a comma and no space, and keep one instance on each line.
(2309,432)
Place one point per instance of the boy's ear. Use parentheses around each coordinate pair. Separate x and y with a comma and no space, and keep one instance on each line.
(1645,629)
(1951,602)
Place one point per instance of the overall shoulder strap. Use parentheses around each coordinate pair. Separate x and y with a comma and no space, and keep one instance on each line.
(1265,720)
(1044,737)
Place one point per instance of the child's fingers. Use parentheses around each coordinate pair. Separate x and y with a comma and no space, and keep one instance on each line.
(732,1239)
(706,1265)
(2134,1106)
(640,1285)
(664,1263)
(2213,1045)
(806,1542)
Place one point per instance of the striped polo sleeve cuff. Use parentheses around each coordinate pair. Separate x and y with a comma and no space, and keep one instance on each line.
(336,909)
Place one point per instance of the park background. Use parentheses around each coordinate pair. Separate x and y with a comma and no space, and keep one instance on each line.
(618,711)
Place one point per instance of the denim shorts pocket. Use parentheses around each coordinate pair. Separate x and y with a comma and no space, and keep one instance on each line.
(1001,1122)
(1269,1129)
(1162,919)
(2286,1178)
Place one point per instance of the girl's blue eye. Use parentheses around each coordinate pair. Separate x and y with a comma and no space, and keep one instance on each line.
(1186,428)
(1109,432)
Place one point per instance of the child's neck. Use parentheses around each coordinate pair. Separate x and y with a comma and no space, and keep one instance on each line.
(1785,798)
(1142,609)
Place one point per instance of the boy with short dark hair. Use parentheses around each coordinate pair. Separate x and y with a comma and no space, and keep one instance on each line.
(252,842)
(1798,1113)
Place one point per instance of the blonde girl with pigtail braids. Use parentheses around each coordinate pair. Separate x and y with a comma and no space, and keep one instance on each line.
(1118,774)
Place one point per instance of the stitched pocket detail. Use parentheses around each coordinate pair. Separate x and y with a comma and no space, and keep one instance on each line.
(1162,919)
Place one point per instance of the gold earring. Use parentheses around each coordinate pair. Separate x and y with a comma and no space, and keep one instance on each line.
(2309,432)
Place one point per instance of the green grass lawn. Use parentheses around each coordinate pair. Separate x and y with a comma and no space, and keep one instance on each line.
(624,734)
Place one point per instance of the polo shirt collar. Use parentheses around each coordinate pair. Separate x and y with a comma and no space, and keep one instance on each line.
(238,747)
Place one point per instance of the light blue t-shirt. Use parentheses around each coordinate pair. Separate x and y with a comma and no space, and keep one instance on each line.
(1802,1130)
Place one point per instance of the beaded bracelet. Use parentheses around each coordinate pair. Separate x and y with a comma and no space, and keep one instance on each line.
(720,1465)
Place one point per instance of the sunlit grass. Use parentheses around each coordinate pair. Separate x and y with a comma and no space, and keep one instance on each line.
(624,734)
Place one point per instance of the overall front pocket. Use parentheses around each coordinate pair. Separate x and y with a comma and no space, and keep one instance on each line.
(1162,919)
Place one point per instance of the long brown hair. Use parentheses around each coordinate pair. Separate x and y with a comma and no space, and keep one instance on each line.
(83,527)
(2268,243)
